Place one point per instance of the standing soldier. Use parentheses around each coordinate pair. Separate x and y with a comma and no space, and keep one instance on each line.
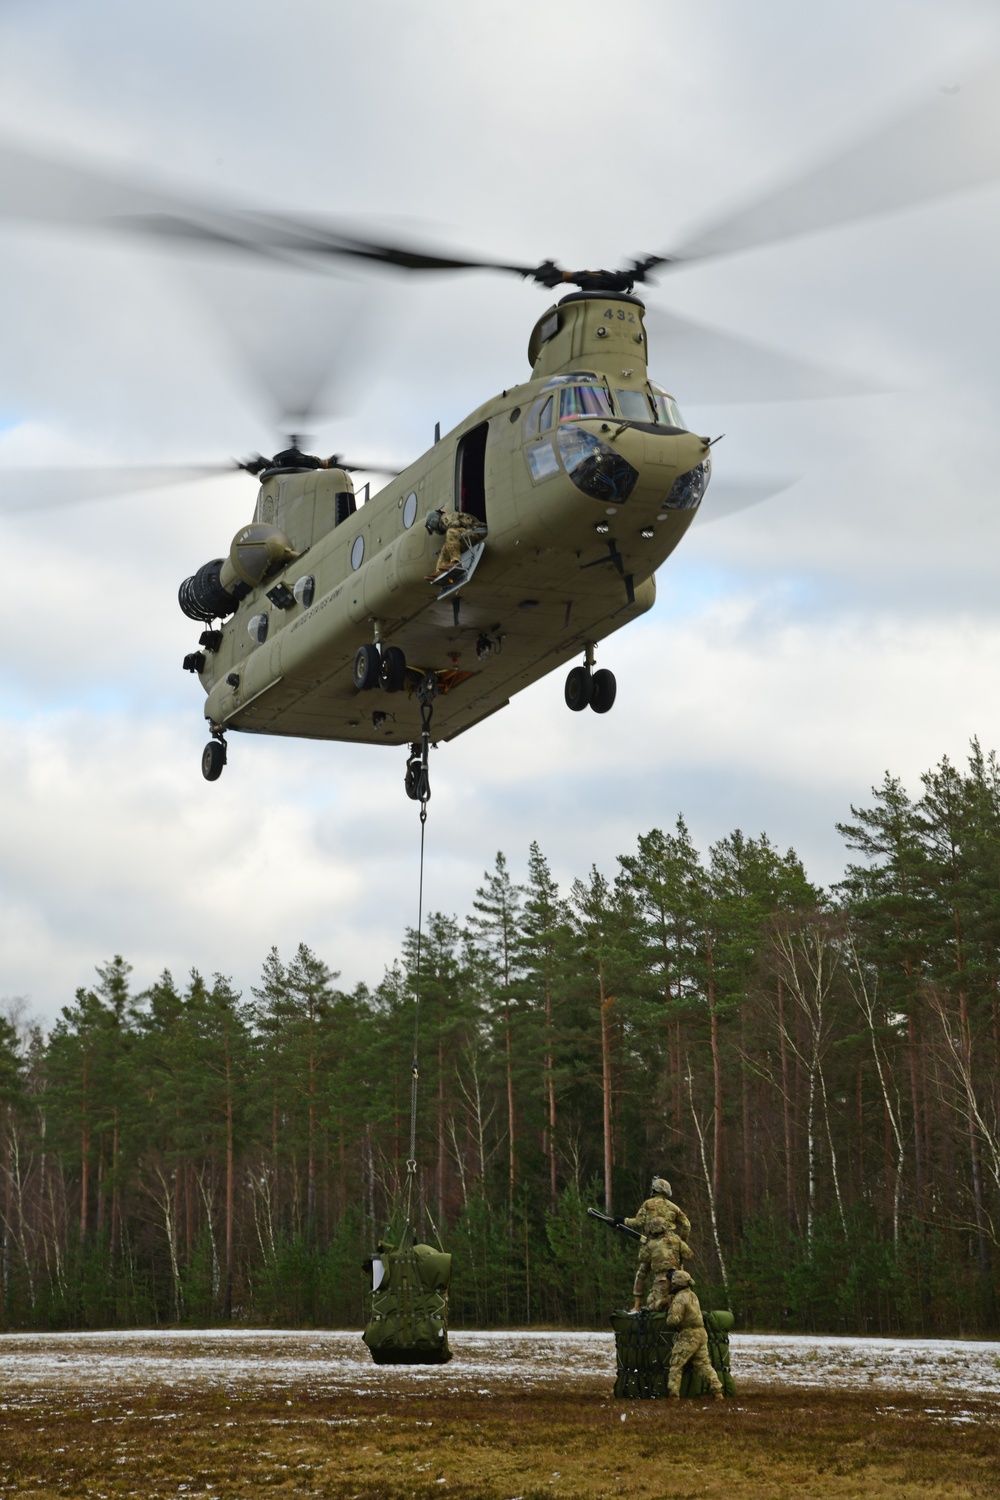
(690,1338)
(655,1217)
(667,1252)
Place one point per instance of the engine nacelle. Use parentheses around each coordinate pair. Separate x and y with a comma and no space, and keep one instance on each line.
(258,552)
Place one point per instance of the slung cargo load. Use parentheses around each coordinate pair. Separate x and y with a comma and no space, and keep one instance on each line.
(409,1314)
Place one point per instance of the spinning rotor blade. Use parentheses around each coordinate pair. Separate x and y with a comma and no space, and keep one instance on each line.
(24,490)
(726,497)
(947,145)
(706,366)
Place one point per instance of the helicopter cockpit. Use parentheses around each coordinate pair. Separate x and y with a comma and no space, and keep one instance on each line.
(580,394)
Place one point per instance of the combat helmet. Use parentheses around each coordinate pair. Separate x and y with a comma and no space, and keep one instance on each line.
(681,1279)
(660,1186)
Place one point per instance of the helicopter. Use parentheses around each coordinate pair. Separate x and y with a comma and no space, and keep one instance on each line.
(532,531)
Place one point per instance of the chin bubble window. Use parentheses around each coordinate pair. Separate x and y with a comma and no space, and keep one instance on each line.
(257,628)
(687,489)
(595,467)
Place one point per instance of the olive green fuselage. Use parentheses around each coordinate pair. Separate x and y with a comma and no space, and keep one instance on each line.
(561,569)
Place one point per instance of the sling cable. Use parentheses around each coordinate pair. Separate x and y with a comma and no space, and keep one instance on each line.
(408,1324)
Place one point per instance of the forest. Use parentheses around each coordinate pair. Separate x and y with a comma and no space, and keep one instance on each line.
(816,1071)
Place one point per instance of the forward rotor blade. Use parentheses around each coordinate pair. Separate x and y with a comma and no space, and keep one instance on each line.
(43,189)
(26,490)
(727,497)
(946,145)
(703,365)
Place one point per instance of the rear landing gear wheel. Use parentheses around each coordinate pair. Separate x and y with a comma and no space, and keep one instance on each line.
(213,759)
(367,666)
(603,689)
(578,689)
(392,676)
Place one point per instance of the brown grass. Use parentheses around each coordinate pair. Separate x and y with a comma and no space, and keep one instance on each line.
(765,1445)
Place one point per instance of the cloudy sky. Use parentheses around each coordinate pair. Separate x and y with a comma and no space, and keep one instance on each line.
(797,650)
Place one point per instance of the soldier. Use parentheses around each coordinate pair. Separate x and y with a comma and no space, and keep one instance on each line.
(659,1206)
(456,525)
(655,1217)
(690,1338)
(666,1253)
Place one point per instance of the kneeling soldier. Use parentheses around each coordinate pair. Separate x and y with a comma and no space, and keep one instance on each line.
(690,1338)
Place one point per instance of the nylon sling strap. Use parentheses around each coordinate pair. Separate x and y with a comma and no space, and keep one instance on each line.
(425,695)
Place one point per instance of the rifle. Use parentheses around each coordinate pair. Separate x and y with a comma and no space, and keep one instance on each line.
(616,1224)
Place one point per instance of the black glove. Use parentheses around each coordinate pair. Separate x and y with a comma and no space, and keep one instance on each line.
(619,1221)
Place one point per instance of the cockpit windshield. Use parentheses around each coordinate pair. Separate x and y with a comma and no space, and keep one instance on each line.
(634,406)
(584,401)
(654,405)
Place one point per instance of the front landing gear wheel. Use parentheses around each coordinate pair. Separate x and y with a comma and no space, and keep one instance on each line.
(578,689)
(602,691)
(367,666)
(213,759)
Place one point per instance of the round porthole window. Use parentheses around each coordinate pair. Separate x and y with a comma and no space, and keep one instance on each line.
(410,509)
(257,628)
(305,589)
(358,552)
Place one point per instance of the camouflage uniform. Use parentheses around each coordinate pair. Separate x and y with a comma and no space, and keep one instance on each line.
(660,1207)
(458,523)
(658,1217)
(690,1338)
(667,1252)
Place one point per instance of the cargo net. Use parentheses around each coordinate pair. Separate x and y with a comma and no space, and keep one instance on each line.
(644,1344)
(409,1316)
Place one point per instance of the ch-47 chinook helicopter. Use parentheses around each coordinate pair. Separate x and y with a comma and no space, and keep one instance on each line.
(575,486)
(560,497)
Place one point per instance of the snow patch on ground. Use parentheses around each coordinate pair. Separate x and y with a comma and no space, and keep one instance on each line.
(240,1361)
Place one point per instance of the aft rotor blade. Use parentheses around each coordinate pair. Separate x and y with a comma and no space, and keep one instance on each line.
(26,490)
(948,144)
(726,497)
(700,364)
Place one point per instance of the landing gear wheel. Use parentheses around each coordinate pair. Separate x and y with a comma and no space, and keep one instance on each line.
(367,666)
(578,689)
(213,759)
(392,676)
(602,691)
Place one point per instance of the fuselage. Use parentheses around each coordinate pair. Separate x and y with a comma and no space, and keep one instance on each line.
(585,481)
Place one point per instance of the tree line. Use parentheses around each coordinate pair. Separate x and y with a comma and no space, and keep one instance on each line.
(817,1072)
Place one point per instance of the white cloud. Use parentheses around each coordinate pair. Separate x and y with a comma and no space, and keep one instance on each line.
(797,650)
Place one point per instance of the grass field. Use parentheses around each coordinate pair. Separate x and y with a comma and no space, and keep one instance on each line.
(193,1421)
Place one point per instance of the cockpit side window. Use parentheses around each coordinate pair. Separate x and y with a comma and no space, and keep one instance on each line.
(584,401)
(539,418)
(666,408)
